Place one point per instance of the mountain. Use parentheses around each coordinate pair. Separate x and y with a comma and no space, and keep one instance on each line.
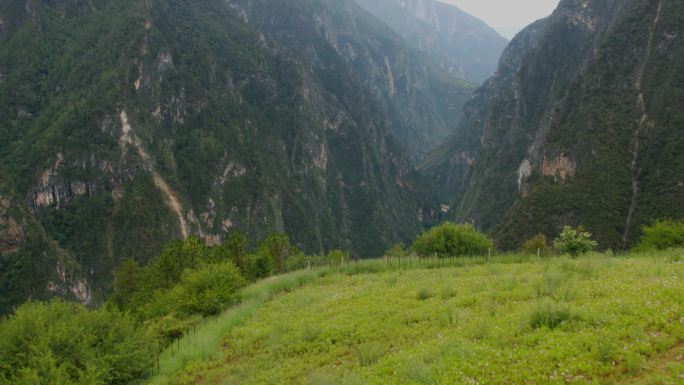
(127,124)
(580,125)
(420,100)
(461,44)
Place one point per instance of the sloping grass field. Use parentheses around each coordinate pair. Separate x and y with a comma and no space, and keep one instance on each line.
(511,320)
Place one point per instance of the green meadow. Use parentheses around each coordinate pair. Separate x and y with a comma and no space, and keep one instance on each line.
(512,319)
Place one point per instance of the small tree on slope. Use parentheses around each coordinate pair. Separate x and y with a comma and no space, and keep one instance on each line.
(574,242)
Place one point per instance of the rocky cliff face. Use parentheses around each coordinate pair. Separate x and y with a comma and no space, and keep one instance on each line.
(578,126)
(420,101)
(459,43)
(130,125)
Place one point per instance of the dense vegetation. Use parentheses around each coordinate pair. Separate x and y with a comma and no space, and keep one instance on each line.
(63,343)
(128,124)
(596,319)
(152,326)
(662,235)
(578,127)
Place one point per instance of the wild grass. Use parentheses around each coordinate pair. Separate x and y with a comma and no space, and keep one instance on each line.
(507,319)
(203,342)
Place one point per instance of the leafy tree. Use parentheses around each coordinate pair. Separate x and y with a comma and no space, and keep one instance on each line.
(536,245)
(178,256)
(127,281)
(337,258)
(256,266)
(574,241)
(662,235)
(62,343)
(236,246)
(451,239)
(396,251)
(210,290)
(276,248)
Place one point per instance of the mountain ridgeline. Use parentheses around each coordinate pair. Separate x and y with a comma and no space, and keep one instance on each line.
(582,124)
(459,43)
(419,99)
(127,124)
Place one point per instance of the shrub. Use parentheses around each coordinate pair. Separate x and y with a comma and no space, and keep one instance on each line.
(256,266)
(662,235)
(210,290)
(452,240)
(550,315)
(536,245)
(574,242)
(396,251)
(337,258)
(64,343)
(276,247)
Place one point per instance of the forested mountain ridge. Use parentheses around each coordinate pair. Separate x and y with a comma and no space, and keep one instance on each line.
(461,44)
(580,125)
(420,100)
(131,123)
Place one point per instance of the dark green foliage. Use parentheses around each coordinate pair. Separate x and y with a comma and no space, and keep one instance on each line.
(574,242)
(578,127)
(398,250)
(245,135)
(337,258)
(210,290)
(276,249)
(59,343)
(178,256)
(128,279)
(536,245)
(662,235)
(452,240)
(236,247)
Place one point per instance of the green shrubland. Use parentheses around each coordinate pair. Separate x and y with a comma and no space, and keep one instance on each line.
(449,240)
(61,343)
(596,318)
(200,314)
(662,235)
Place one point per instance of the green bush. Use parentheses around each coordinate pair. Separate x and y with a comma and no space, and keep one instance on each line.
(396,251)
(662,235)
(452,240)
(61,343)
(337,258)
(210,290)
(536,245)
(574,242)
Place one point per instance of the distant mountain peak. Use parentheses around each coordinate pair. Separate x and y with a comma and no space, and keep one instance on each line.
(461,44)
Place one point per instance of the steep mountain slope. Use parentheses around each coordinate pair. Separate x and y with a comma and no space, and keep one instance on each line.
(127,124)
(420,100)
(458,42)
(580,125)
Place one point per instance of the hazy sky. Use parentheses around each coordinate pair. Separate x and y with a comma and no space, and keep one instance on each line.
(507,16)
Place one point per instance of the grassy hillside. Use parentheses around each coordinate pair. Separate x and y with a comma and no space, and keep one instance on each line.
(598,319)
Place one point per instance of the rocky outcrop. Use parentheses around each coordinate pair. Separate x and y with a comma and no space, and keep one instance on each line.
(11,233)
